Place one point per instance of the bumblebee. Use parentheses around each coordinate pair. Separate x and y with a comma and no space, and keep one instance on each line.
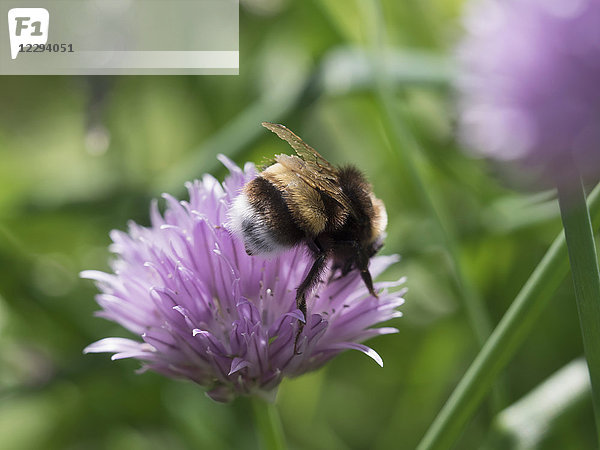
(304,200)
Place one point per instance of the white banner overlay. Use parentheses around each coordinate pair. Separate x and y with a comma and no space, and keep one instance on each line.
(86,37)
(166,59)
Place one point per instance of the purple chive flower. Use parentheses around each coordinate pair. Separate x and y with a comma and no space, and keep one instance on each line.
(530,83)
(204,310)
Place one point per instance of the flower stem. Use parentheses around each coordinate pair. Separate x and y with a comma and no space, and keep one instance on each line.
(268,423)
(586,278)
(503,343)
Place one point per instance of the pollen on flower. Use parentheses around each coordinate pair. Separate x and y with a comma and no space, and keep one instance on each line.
(202,309)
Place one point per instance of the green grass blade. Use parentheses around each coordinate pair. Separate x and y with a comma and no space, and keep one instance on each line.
(503,343)
(586,279)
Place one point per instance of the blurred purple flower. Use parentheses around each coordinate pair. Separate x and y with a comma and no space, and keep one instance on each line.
(207,311)
(530,85)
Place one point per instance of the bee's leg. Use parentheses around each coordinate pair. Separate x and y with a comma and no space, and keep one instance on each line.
(348,265)
(309,282)
(302,307)
(362,262)
(344,270)
(347,268)
(366,276)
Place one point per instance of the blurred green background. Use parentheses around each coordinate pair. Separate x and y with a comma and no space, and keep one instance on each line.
(363,82)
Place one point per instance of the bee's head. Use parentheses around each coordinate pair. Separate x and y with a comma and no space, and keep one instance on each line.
(379,221)
(373,247)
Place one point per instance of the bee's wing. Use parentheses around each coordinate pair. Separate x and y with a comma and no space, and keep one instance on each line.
(305,151)
(310,166)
